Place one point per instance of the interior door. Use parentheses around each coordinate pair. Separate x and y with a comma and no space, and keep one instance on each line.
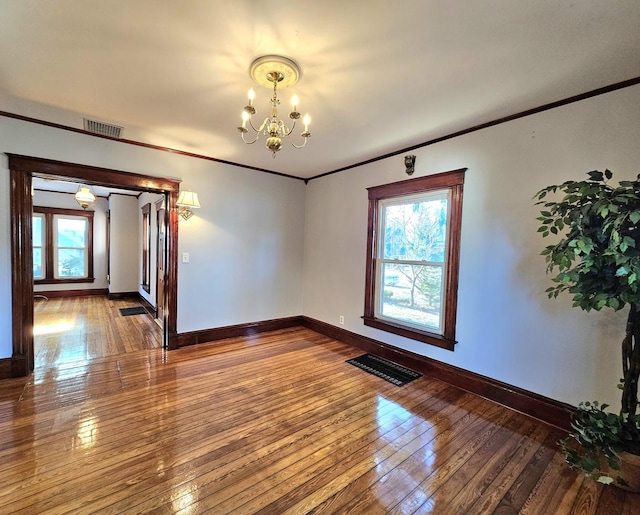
(160,260)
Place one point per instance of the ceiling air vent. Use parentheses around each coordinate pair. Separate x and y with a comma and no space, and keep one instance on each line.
(101,128)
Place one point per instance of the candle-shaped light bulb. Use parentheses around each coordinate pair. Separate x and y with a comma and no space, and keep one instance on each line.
(252,95)
(306,120)
(245,117)
(294,101)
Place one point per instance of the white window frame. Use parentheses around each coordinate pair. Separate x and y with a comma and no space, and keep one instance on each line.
(43,247)
(57,248)
(442,194)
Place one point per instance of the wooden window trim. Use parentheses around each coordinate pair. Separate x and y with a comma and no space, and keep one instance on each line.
(454,181)
(49,213)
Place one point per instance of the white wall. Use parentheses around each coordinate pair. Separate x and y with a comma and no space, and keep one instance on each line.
(245,246)
(245,242)
(67,201)
(124,244)
(507,328)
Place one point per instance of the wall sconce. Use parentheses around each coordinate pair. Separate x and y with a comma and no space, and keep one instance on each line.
(409,164)
(85,196)
(187,200)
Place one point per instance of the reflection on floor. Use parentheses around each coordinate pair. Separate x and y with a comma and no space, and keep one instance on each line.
(274,423)
(75,330)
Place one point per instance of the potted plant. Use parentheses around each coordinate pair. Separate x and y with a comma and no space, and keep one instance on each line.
(597,261)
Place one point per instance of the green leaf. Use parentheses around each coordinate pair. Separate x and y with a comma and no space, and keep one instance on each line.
(634,217)
(595,175)
(623,270)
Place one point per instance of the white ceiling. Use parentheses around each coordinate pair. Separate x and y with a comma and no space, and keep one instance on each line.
(378,76)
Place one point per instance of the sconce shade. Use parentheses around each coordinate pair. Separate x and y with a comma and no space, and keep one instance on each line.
(84,196)
(188,199)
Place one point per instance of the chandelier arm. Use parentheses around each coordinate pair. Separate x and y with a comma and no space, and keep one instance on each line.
(251,124)
(289,130)
(263,126)
(298,146)
(258,130)
(284,128)
(250,142)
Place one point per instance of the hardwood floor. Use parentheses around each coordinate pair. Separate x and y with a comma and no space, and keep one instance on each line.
(78,329)
(274,423)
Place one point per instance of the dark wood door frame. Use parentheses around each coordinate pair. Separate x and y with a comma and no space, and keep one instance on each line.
(161,257)
(22,169)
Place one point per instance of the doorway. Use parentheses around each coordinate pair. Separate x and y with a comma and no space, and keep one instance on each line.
(22,169)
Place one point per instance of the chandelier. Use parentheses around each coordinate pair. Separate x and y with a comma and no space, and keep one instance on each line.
(274,70)
(85,196)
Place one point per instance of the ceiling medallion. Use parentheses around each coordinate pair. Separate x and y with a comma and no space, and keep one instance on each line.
(271,71)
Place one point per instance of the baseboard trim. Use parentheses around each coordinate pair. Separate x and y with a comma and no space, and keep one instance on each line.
(55,294)
(5,368)
(123,295)
(548,410)
(147,305)
(234,331)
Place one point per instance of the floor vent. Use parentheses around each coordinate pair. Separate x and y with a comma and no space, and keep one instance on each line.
(101,128)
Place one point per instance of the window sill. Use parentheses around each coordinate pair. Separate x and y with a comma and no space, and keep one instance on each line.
(64,281)
(414,334)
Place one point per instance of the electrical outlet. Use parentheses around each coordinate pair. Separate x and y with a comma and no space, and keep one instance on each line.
(341,320)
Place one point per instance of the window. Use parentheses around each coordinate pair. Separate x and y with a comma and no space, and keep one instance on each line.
(62,245)
(146,245)
(413,250)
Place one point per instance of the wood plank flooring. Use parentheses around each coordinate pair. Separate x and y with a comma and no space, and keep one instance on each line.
(276,423)
(78,329)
